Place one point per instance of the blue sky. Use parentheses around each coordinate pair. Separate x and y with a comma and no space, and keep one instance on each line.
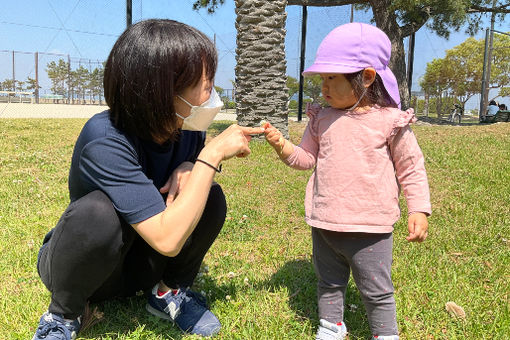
(86,30)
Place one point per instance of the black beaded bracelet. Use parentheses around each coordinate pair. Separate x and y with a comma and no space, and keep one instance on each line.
(210,165)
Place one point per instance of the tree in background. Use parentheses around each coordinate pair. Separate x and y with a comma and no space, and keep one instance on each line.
(465,63)
(72,85)
(20,86)
(82,77)
(292,86)
(7,85)
(312,87)
(32,84)
(95,84)
(500,69)
(59,76)
(435,82)
(79,83)
(459,74)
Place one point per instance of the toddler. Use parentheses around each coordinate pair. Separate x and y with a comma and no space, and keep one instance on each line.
(363,152)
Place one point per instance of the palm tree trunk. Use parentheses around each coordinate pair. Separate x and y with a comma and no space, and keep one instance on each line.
(261,91)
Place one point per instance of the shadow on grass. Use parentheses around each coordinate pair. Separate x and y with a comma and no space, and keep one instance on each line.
(127,317)
(299,278)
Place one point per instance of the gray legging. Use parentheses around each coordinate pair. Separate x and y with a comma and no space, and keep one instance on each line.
(93,254)
(370,258)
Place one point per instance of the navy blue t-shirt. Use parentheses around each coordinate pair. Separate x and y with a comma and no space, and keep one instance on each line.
(128,170)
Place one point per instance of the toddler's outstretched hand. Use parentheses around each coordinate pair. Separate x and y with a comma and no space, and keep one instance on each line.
(275,138)
(417,225)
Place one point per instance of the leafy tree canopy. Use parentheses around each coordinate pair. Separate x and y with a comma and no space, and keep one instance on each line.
(312,87)
(460,71)
(439,15)
(211,5)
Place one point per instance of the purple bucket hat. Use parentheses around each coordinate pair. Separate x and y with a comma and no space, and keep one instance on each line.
(353,47)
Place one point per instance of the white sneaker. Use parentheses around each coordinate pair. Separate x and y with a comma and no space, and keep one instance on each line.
(385,337)
(330,331)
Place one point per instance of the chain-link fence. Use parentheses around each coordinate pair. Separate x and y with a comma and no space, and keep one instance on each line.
(39,77)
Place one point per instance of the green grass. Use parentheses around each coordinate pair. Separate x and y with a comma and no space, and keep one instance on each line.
(259,278)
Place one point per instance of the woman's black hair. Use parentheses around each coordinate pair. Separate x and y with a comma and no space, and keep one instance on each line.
(376,93)
(150,63)
(492,102)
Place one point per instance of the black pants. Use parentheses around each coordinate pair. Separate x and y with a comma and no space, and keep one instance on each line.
(93,254)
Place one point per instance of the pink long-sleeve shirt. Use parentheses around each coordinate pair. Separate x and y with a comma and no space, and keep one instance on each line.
(360,159)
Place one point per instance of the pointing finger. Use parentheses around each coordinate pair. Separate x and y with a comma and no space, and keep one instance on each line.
(252,130)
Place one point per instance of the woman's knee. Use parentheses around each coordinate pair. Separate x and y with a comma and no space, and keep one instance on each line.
(94,207)
(216,206)
(92,220)
(217,198)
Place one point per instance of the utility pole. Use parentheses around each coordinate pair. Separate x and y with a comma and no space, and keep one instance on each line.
(489,55)
(36,90)
(302,63)
(352,13)
(410,62)
(69,80)
(13,74)
(129,13)
(486,75)
(483,94)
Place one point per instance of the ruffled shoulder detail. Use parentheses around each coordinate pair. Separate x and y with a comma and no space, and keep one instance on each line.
(312,109)
(402,119)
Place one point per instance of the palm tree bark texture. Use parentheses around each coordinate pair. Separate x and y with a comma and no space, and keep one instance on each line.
(261,92)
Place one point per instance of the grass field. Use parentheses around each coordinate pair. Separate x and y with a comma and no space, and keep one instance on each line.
(258,275)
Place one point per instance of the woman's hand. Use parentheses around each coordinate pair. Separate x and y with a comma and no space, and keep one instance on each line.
(177,181)
(231,142)
(418,226)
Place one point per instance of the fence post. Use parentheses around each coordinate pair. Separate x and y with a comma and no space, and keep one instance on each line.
(68,79)
(129,13)
(36,91)
(410,63)
(13,74)
(302,62)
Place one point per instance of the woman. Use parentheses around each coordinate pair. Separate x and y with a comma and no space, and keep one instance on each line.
(144,208)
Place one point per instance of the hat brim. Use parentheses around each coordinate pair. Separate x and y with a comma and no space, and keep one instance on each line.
(317,68)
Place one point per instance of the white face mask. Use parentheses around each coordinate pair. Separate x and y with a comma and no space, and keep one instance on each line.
(202,116)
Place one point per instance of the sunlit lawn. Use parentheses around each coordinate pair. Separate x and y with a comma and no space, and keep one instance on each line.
(259,278)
